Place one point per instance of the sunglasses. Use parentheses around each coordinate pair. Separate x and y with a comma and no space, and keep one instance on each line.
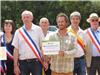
(94,20)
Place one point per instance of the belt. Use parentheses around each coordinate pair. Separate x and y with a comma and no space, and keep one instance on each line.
(96,57)
(30,60)
(82,57)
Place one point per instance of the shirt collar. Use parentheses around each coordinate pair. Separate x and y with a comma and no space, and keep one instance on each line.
(98,30)
(57,32)
(79,29)
(32,27)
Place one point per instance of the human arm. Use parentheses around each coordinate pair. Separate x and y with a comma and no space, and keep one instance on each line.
(15,43)
(71,46)
(16,63)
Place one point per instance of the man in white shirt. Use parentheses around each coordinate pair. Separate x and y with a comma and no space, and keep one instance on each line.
(44,24)
(25,59)
(92,41)
(79,60)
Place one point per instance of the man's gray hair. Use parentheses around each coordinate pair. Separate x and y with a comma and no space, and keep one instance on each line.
(26,12)
(75,13)
(44,18)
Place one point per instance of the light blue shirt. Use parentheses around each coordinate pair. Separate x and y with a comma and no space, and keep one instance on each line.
(94,49)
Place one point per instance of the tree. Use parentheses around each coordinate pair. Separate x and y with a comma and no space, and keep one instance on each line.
(50,9)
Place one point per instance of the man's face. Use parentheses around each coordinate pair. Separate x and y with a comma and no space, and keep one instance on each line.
(75,20)
(27,18)
(94,22)
(44,24)
(61,22)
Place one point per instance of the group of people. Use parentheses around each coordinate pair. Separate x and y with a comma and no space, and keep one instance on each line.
(79,49)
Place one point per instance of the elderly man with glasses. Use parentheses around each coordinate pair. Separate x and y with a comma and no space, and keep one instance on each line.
(92,41)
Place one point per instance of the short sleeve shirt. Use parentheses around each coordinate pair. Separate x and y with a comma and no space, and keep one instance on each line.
(19,43)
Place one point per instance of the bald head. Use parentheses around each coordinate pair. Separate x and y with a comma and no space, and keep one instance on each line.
(44,24)
(45,20)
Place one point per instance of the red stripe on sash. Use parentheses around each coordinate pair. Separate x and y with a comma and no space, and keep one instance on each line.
(32,48)
(10,57)
(93,41)
(79,40)
(1,70)
(80,43)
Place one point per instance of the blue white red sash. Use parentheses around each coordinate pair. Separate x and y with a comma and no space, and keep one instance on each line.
(94,39)
(9,55)
(3,67)
(31,44)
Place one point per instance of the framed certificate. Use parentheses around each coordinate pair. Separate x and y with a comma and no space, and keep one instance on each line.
(50,47)
(3,55)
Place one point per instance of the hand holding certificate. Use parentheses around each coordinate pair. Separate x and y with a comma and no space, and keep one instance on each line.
(3,55)
(50,47)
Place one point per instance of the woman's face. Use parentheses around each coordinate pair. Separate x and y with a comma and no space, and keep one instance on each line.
(8,28)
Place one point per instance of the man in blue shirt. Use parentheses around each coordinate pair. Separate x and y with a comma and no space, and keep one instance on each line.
(92,40)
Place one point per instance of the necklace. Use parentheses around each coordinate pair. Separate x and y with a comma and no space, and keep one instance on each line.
(8,39)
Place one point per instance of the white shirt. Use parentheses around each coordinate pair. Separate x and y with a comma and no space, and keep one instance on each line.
(1,33)
(19,43)
(79,51)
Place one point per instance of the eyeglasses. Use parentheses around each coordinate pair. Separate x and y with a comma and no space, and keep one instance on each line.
(94,20)
(8,21)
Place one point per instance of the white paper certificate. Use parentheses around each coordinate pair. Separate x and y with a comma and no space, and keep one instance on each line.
(50,48)
(3,55)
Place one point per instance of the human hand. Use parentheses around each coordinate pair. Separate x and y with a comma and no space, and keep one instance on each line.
(46,65)
(16,70)
(61,53)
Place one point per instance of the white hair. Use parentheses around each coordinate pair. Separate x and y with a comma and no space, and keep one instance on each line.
(44,18)
(26,12)
(75,13)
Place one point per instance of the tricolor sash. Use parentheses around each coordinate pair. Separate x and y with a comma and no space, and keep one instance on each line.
(31,44)
(79,40)
(9,55)
(94,39)
(3,67)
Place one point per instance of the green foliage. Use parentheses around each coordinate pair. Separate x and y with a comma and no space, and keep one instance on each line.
(50,9)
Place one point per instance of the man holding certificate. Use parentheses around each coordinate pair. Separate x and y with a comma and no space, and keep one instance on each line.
(63,43)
